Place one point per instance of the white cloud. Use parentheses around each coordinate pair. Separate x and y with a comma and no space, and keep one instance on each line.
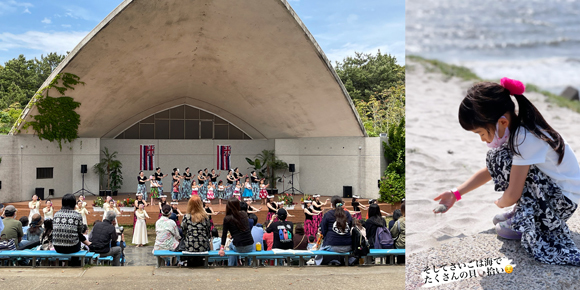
(46,20)
(66,25)
(42,42)
(77,12)
(11,6)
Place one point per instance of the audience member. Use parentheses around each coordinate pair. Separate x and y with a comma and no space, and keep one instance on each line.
(300,240)
(374,222)
(67,234)
(167,235)
(196,231)
(12,227)
(103,236)
(237,223)
(257,231)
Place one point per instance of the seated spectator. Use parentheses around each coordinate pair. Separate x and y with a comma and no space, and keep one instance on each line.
(105,235)
(257,231)
(398,234)
(167,235)
(335,227)
(46,238)
(300,240)
(24,221)
(1,217)
(91,233)
(396,215)
(12,227)
(86,234)
(34,233)
(237,223)
(374,222)
(282,229)
(196,231)
(175,219)
(67,234)
(311,243)
(216,240)
(268,241)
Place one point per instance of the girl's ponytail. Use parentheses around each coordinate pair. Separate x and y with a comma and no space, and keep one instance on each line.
(339,213)
(530,118)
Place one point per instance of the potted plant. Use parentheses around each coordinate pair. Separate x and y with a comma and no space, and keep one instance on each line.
(288,200)
(98,204)
(111,168)
(266,164)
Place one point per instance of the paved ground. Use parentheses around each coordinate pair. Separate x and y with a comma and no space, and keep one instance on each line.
(147,277)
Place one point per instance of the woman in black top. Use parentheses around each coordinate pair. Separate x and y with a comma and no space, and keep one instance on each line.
(202,185)
(272,207)
(255,186)
(141,188)
(238,224)
(158,176)
(309,226)
(214,176)
(356,206)
(209,211)
(162,202)
(230,183)
(186,188)
(176,178)
(316,208)
(374,221)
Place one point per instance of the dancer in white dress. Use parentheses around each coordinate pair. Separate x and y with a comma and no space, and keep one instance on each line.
(48,210)
(34,207)
(82,210)
(112,207)
(140,232)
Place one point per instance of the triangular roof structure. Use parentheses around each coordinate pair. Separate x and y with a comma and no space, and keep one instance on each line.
(252,63)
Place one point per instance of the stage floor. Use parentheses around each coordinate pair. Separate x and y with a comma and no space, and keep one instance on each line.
(126,217)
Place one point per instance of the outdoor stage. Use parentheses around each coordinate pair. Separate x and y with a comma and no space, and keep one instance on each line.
(126,217)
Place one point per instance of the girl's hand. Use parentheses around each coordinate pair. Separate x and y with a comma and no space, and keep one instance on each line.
(222,253)
(446,201)
(497,202)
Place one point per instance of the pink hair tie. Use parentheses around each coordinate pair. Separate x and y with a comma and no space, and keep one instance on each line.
(514,86)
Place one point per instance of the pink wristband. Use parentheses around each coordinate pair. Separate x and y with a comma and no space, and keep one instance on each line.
(456,193)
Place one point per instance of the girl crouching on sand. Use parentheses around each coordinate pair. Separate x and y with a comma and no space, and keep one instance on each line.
(531,163)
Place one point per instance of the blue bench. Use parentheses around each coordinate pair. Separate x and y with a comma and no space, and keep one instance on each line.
(108,259)
(384,253)
(34,255)
(208,255)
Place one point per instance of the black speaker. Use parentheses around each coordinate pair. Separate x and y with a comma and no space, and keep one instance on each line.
(292,167)
(51,192)
(347,191)
(39,192)
(83,168)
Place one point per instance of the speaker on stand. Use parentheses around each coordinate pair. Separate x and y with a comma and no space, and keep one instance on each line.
(292,169)
(83,190)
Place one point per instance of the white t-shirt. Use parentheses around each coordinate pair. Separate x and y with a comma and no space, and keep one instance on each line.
(535,151)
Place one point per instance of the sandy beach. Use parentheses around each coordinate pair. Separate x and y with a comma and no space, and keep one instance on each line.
(440,156)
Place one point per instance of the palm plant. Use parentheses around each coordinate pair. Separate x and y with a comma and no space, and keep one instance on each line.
(266,164)
(110,167)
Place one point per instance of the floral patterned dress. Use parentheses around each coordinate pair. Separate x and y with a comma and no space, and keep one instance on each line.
(541,212)
(196,235)
(167,235)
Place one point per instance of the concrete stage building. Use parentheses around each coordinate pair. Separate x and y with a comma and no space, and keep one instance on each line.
(187,76)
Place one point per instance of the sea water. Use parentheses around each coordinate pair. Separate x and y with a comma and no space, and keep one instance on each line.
(534,41)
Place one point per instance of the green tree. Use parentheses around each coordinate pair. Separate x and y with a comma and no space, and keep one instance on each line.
(365,75)
(392,188)
(384,109)
(265,164)
(8,116)
(21,78)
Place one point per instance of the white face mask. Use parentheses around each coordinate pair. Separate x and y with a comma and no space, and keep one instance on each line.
(497,142)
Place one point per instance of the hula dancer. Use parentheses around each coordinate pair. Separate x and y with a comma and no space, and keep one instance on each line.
(154,188)
(255,186)
(356,206)
(158,177)
(263,191)
(221,192)
(186,188)
(317,207)
(83,211)
(247,189)
(162,202)
(34,207)
(194,188)
(310,228)
(230,184)
(209,211)
(139,201)
(48,210)
(210,189)
(202,185)
(141,188)
(272,207)
(177,212)
(237,190)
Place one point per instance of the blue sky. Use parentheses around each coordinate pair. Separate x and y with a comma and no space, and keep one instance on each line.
(340,27)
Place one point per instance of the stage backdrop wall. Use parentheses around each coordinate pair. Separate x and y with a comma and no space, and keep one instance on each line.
(323,165)
(23,154)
